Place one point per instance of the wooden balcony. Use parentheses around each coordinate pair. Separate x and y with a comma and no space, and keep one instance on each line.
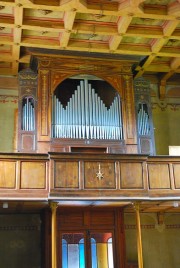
(75,176)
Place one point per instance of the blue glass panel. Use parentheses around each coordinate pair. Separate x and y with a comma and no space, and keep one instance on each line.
(93,253)
(81,254)
(64,254)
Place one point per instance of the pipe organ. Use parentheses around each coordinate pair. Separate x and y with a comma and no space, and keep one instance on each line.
(27,111)
(28,114)
(78,104)
(86,116)
(145,130)
(143,120)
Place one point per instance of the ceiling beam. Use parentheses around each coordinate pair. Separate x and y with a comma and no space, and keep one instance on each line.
(157,44)
(175,64)
(122,25)
(174,8)
(69,18)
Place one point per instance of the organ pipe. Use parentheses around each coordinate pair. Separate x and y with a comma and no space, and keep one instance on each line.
(143,120)
(28,115)
(86,116)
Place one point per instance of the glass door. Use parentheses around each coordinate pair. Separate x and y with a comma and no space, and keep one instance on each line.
(101,250)
(73,250)
(100,253)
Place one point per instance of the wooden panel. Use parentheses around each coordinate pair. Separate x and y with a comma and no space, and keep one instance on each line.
(100,175)
(66,174)
(85,217)
(28,142)
(129,111)
(176,171)
(7,174)
(131,175)
(70,218)
(44,104)
(102,217)
(159,177)
(33,175)
(146,145)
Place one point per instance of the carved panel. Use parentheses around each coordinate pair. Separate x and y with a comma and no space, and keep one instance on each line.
(44,97)
(66,174)
(28,142)
(159,176)
(99,175)
(176,171)
(146,145)
(131,175)
(115,81)
(27,78)
(83,65)
(57,78)
(130,110)
(7,174)
(33,175)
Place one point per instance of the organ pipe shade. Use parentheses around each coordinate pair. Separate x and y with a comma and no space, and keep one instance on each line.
(28,114)
(143,120)
(86,116)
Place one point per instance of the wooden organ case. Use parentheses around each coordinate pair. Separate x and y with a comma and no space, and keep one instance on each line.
(85,105)
(145,130)
(27,104)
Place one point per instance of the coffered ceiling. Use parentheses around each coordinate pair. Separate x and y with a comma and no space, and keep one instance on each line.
(145,30)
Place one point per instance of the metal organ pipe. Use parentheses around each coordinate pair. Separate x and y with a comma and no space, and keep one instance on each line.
(143,120)
(28,115)
(86,116)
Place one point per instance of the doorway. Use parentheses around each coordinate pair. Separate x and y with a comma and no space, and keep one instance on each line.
(90,238)
(87,249)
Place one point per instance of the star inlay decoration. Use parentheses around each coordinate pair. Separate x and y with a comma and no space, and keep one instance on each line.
(99,174)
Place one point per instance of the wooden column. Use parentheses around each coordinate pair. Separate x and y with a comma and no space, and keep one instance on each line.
(139,240)
(53,206)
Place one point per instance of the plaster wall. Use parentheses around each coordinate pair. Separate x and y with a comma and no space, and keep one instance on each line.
(8,112)
(160,242)
(20,245)
(166,128)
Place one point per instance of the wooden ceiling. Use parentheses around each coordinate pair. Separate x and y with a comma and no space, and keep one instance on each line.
(128,206)
(146,29)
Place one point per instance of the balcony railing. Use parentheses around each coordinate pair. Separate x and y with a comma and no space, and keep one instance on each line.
(88,176)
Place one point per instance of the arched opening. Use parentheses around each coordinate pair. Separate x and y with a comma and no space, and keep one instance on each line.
(86,107)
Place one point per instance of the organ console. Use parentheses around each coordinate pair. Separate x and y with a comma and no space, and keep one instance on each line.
(82,104)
